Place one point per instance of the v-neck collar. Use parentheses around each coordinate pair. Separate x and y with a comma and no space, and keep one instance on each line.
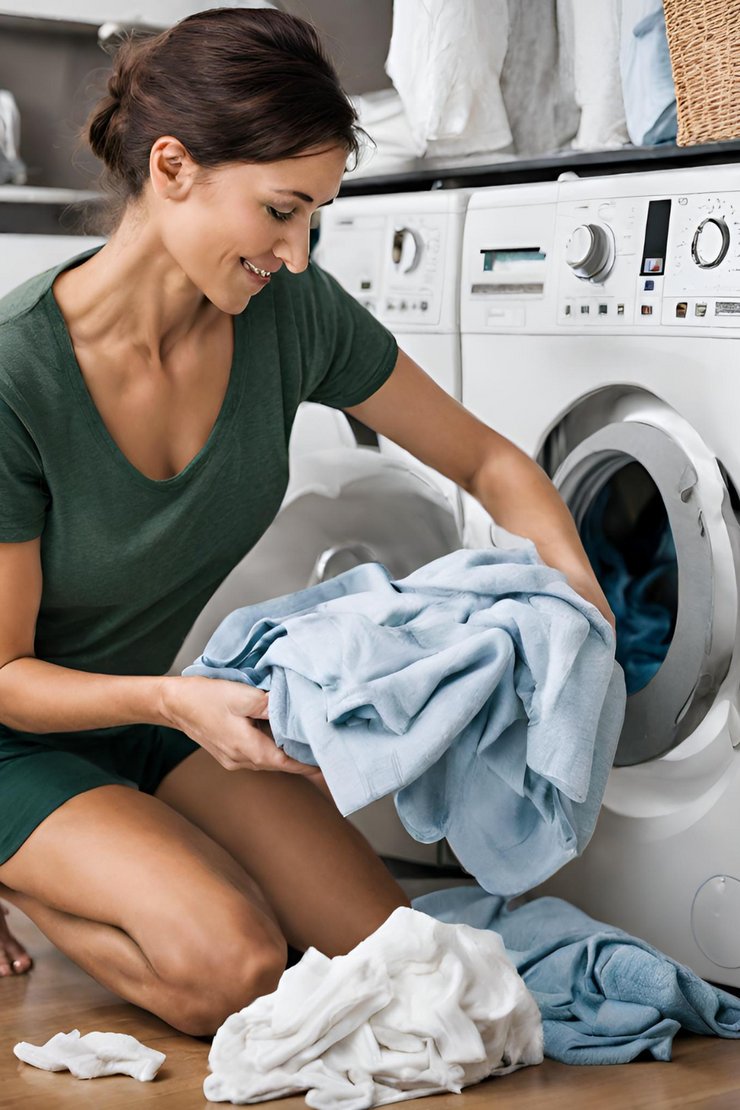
(95,420)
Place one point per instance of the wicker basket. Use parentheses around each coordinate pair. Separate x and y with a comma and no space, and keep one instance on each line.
(704,42)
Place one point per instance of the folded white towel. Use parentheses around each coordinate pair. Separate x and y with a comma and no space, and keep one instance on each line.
(445,60)
(417,1008)
(93,1055)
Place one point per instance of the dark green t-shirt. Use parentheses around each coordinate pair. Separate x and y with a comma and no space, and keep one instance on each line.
(128,561)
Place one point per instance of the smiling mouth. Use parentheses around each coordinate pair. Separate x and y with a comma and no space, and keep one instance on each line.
(255,269)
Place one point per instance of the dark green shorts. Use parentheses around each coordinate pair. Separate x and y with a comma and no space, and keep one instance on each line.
(38,773)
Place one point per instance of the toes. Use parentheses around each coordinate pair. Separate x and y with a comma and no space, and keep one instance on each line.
(13,958)
(18,957)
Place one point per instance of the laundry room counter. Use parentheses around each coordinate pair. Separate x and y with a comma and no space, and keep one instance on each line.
(57,995)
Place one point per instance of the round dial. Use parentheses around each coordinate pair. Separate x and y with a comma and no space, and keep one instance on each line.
(711,242)
(590,252)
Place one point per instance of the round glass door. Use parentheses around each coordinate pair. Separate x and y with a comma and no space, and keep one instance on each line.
(655,515)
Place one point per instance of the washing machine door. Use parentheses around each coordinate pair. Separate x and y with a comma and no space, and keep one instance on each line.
(657,514)
(343,506)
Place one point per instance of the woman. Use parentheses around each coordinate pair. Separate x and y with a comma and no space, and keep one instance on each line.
(148,823)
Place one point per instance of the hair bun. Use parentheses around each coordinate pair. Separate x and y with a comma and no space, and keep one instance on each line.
(114,87)
(217,81)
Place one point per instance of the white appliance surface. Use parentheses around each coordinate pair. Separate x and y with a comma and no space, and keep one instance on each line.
(399,255)
(597,320)
(24,256)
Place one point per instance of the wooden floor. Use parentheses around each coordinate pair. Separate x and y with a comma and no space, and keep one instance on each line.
(56,995)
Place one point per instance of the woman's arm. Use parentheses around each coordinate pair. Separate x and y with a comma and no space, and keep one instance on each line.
(41,697)
(413,411)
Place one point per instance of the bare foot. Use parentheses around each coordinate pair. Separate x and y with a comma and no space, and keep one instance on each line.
(13,957)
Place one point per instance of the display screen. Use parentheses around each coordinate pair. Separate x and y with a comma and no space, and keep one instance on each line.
(656,237)
(499,259)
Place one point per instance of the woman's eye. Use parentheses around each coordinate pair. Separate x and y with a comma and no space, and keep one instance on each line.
(280,215)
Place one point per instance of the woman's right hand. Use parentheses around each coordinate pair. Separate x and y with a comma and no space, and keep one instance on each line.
(228,719)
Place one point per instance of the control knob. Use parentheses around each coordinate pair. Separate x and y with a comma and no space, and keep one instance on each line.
(711,242)
(590,252)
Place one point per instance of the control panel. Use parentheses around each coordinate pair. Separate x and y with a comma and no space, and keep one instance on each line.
(612,254)
(414,275)
(398,254)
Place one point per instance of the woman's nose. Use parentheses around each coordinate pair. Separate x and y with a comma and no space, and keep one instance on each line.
(293,251)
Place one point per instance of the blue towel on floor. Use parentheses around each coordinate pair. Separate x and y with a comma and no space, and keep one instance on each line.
(480,688)
(604,996)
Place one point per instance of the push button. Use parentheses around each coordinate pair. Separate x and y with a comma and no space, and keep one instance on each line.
(646,310)
(681,309)
(649,285)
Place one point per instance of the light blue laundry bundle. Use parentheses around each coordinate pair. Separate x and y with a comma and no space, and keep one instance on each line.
(604,995)
(481,688)
(647,75)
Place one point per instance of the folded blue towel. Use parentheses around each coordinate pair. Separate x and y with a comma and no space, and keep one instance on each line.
(604,996)
(481,688)
(647,75)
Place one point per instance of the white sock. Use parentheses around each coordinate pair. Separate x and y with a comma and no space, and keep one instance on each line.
(93,1055)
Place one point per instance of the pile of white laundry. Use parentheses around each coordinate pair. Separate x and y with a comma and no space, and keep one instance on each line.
(417,1008)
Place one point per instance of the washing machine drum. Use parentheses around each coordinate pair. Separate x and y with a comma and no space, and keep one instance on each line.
(657,516)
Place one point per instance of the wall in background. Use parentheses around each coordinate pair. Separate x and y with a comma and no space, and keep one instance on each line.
(56,75)
(358,34)
(56,70)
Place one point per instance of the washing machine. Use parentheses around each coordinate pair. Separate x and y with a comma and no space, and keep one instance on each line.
(598,321)
(399,255)
(24,256)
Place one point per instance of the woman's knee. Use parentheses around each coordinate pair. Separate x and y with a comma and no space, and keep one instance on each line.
(212,973)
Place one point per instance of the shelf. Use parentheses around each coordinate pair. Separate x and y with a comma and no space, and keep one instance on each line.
(33,194)
(420,174)
(61,22)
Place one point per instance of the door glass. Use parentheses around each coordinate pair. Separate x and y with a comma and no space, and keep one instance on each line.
(628,540)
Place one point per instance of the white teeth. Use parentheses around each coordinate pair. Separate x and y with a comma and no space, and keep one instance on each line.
(256,269)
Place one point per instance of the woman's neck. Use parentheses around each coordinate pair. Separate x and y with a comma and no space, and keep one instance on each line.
(132,293)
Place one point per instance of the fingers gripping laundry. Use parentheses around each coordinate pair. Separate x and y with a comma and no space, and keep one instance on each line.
(225,720)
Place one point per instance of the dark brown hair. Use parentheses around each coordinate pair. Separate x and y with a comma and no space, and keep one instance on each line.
(232,84)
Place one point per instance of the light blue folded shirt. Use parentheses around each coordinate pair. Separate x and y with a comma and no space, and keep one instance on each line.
(647,75)
(480,690)
(604,995)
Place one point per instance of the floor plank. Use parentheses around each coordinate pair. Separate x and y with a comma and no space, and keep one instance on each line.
(57,995)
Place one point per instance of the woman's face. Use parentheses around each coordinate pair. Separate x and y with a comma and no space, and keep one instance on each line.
(248,213)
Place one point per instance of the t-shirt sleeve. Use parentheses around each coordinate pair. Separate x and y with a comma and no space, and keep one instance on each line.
(349,354)
(23,497)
